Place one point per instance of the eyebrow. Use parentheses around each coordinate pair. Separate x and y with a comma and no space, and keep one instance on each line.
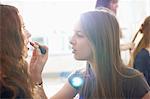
(78,31)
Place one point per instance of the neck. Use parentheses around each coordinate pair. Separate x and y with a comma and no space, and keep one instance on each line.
(93,64)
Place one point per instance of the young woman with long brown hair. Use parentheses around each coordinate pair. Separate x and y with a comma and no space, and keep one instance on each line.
(96,40)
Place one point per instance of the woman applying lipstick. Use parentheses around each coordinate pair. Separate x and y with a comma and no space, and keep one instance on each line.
(17,77)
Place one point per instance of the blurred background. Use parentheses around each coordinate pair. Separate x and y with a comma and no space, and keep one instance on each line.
(50,23)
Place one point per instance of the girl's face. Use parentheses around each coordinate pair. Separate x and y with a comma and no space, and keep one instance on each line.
(26,35)
(81,46)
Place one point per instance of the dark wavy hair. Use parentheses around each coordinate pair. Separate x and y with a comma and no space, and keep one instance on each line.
(14,77)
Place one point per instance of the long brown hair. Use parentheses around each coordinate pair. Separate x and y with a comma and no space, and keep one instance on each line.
(13,67)
(102,30)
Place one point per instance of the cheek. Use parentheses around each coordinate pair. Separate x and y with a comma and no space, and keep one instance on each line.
(26,38)
(24,35)
(86,52)
(89,53)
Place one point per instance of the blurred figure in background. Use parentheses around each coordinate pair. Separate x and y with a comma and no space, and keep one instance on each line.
(17,78)
(113,5)
(110,4)
(141,55)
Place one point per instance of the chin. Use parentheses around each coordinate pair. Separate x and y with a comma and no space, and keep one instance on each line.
(26,52)
(78,58)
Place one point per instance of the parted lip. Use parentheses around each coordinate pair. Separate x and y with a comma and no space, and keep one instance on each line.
(26,44)
(73,50)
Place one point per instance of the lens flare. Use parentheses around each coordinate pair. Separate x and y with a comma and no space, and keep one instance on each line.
(77,81)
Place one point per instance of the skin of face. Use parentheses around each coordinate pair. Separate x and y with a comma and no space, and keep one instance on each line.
(81,46)
(26,35)
(114,6)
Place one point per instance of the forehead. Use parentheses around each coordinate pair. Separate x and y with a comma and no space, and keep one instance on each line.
(77,26)
(21,19)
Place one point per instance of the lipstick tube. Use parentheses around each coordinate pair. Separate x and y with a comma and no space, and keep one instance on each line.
(43,50)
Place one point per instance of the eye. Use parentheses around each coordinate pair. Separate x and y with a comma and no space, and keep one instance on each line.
(79,34)
(24,27)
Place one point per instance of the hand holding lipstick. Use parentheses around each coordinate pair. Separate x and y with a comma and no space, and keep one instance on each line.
(38,60)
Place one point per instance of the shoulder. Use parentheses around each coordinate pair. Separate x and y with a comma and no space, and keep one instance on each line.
(142,53)
(134,83)
(142,59)
(131,72)
(76,78)
(78,72)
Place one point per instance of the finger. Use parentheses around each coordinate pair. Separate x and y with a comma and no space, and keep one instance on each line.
(36,43)
(35,52)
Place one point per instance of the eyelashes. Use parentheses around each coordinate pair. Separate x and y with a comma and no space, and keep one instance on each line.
(80,35)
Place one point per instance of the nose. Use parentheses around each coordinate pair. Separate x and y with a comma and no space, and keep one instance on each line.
(27,33)
(72,40)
